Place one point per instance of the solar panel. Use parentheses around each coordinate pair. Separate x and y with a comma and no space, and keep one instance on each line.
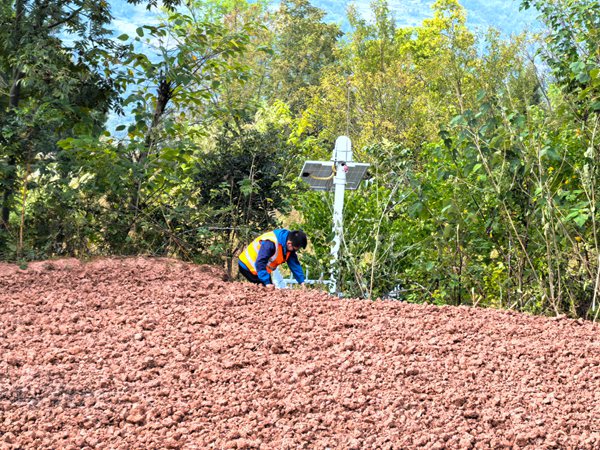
(355,174)
(319,174)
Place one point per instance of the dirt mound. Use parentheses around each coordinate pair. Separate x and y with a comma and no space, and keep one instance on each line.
(155,353)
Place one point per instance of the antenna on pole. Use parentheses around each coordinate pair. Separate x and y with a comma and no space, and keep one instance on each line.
(339,174)
(348,109)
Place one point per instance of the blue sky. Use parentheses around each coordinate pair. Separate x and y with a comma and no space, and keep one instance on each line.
(501,14)
(128,17)
(481,14)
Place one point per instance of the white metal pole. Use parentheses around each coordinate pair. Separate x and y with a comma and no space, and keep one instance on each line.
(339,182)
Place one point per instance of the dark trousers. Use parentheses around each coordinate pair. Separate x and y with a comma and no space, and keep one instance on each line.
(249,275)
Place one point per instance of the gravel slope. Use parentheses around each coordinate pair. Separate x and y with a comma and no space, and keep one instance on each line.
(155,353)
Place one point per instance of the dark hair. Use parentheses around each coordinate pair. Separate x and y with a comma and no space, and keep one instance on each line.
(298,238)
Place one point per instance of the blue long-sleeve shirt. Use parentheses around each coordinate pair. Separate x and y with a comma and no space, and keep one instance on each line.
(267,249)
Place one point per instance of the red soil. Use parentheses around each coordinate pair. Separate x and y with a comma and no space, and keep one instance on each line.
(155,353)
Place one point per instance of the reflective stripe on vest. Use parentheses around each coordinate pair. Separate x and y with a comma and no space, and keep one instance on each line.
(250,254)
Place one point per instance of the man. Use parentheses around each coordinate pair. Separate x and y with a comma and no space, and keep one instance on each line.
(270,250)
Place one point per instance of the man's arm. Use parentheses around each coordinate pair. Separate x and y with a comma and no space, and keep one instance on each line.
(267,249)
(296,268)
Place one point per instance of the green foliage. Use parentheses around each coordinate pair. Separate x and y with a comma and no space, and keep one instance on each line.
(50,90)
(243,184)
(483,182)
(496,191)
(304,46)
(189,176)
(572,43)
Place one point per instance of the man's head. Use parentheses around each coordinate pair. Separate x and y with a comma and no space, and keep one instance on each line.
(296,240)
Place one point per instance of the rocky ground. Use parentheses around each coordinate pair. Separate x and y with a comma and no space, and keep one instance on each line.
(155,353)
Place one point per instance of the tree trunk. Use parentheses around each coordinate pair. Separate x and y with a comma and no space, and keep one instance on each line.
(165,93)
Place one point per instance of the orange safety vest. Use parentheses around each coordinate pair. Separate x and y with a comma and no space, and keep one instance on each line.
(249,256)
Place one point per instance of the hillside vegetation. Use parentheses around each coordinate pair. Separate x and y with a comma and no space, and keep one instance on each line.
(483,186)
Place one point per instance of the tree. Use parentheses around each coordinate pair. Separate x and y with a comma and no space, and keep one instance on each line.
(304,47)
(572,46)
(171,97)
(47,80)
(426,199)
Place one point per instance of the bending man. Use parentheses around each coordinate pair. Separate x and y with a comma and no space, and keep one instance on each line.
(268,251)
